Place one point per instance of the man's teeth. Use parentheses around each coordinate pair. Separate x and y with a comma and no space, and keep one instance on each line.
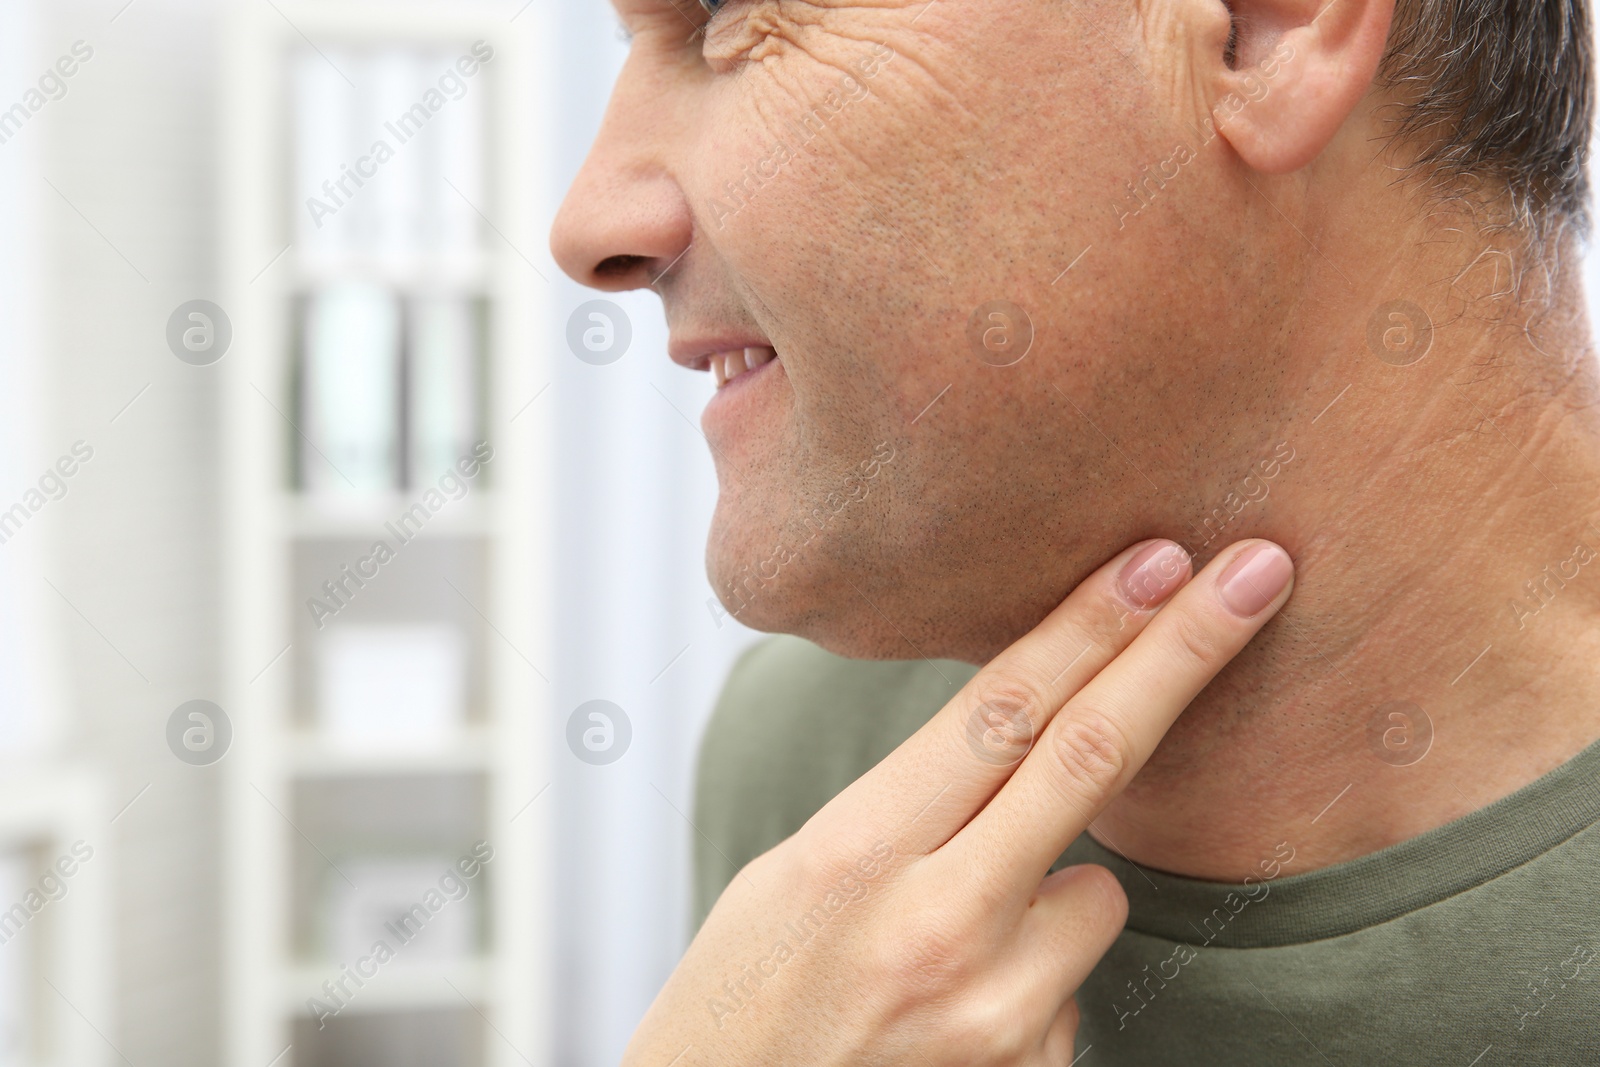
(726,366)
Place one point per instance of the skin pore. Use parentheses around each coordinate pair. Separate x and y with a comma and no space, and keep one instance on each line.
(1210,253)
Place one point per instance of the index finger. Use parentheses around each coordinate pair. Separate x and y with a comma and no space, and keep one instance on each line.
(940,777)
(1103,735)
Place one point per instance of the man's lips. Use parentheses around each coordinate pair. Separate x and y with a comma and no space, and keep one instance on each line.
(748,401)
(726,359)
(726,366)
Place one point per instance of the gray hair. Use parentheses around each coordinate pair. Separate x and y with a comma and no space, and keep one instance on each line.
(1496,104)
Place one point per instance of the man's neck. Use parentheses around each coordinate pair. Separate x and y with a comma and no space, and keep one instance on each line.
(1440,650)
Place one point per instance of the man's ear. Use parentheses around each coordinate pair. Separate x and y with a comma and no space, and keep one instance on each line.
(1295,71)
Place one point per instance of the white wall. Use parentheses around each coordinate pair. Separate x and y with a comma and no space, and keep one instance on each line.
(25,722)
(128,237)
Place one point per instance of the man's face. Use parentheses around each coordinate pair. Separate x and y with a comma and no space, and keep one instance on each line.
(872,190)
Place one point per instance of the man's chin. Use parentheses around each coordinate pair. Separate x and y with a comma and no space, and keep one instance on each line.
(846,638)
(833,622)
(766,603)
(826,593)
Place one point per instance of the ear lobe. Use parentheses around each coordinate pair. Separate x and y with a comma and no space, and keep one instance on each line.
(1300,73)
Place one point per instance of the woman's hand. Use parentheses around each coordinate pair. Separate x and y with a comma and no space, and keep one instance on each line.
(911,921)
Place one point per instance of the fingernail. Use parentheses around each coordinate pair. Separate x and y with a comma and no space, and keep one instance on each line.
(1255,579)
(1153,574)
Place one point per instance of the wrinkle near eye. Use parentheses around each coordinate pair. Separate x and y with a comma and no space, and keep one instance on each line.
(754,30)
(666,24)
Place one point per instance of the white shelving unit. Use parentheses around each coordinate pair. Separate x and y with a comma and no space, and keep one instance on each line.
(297,803)
(44,813)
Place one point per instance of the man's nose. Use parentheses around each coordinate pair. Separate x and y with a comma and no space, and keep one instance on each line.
(624,222)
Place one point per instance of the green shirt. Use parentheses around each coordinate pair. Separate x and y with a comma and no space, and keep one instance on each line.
(1472,945)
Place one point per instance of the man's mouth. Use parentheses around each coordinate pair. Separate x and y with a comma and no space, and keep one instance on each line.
(745,402)
(726,366)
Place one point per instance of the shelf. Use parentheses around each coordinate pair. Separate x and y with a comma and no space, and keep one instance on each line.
(311,756)
(397,985)
(377,517)
(282,546)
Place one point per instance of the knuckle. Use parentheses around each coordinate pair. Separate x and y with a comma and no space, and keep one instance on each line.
(988,1028)
(925,961)
(825,869)
(1070,1016)
(805,862)
(1104,902)
(1002,726)
(793,863)
(1091,751)
(1061,1041)
(1015,688)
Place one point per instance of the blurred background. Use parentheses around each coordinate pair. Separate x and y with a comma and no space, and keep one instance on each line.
(355,639)
(351,559)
